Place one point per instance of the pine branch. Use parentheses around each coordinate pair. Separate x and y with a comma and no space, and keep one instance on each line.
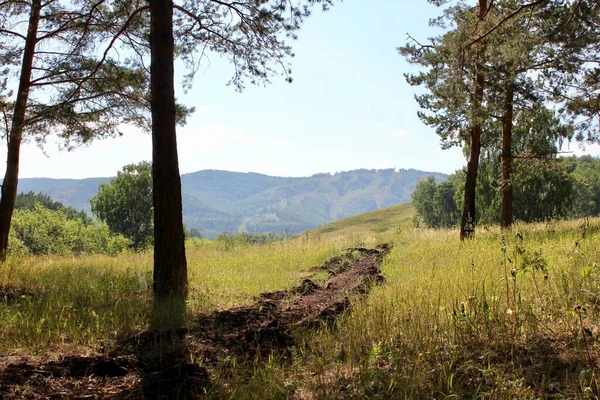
(110,46)
(505,19)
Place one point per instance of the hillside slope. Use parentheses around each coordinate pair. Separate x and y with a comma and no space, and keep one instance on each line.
(217,201)
(378,221)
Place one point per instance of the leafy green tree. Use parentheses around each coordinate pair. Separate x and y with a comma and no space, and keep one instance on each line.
(586,187)
(29,200)
(435,203)
(422,199)
(543,190)
(444,205)
(195,233)
(544,185)
(125,204)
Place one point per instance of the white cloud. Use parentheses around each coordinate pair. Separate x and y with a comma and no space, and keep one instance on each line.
(398,133)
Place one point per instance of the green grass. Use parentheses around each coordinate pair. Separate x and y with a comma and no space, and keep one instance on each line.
(508,315)
(99,299)
(497,317)
(372,223)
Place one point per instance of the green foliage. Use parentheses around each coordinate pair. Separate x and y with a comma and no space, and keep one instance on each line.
(125,204)
(543,188)
(194,233)
(586,197)
(42,231)
(423,200)
(435,203)
(27,201)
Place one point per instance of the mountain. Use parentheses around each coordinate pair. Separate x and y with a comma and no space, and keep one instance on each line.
(71,192)
(218,201)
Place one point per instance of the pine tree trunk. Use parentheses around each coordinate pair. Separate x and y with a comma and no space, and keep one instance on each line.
(506,217)
(467,228)
(170,266)
(469,220)
(11,176)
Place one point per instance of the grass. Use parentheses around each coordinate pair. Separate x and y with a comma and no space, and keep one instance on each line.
(507,315)
(377,222)
(96,300)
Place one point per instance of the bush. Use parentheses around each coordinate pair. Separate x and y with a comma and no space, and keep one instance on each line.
(41,231)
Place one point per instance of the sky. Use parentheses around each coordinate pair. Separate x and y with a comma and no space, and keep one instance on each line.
(348,107)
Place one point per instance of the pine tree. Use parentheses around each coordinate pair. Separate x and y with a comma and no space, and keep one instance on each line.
(456,79)
(64,90)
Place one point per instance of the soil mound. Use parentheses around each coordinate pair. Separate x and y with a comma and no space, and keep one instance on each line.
(13,294)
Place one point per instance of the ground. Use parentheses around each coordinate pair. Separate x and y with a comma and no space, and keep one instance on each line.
(158,364)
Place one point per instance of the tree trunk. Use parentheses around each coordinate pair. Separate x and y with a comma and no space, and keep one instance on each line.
(469,220)
(170,266)
(506,217)
(11,176)
(467,227)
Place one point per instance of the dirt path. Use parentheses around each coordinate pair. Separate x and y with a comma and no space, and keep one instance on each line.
(157,364)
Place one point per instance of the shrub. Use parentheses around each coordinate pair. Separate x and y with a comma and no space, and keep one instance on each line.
(41,231)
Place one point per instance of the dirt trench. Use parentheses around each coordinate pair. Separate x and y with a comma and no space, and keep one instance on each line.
(156,364)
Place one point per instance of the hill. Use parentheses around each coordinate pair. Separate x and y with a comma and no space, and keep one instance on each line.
(374,222)
(217,201)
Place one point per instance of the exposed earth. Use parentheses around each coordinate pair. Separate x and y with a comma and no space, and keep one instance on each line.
(156,364)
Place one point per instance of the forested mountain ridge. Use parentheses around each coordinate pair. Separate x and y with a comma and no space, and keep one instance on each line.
(216,201)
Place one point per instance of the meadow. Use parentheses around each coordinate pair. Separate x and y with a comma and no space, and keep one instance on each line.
(510,314)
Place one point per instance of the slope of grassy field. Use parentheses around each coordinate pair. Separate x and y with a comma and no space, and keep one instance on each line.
(509,314)
(371,223)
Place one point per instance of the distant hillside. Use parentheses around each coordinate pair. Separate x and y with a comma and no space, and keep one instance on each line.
(71,192)
(218,201)
(378,221)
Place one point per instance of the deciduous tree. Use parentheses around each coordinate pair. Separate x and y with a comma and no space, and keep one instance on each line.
(125,204)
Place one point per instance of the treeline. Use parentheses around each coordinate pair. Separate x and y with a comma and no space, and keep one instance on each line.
(509,81)
(543,189)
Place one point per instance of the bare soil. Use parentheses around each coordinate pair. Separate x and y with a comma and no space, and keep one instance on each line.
(157,364)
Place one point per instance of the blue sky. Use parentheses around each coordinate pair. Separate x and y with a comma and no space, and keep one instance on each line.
(349,107)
